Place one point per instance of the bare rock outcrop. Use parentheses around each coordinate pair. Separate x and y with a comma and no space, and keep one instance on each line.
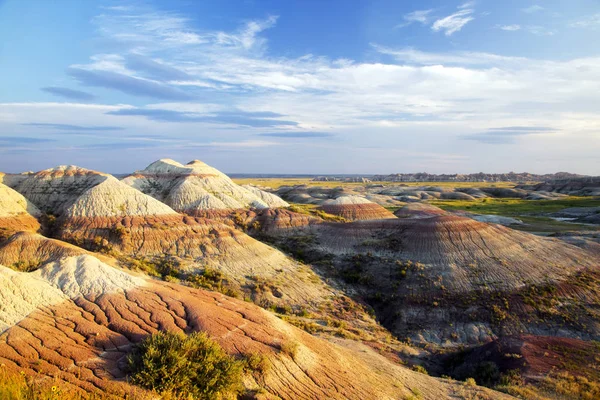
(196,187)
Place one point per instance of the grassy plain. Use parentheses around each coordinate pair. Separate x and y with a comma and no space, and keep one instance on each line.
(532,212)
(275,183)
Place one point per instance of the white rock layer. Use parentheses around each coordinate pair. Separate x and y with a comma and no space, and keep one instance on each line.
(86,276)
(112,198)
(21,294)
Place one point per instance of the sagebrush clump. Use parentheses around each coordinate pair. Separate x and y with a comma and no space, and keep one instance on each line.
(185,366)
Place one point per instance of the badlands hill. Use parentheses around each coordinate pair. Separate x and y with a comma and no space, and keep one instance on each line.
(105,215)
(71,191)
(76,318)
(195,188)
(355,208)
(440,278)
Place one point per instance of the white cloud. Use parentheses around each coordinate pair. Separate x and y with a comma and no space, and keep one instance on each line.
(532,9)
(510,28)
(421,16)
(541,31)
(453,23)
(414,56)
(468,4)
(592,21)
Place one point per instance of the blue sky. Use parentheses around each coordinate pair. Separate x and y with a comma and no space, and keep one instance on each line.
(301,86)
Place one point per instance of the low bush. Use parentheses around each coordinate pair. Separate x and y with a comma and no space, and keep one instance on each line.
(185,366)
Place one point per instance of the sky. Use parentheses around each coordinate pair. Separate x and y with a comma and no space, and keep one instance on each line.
(302,87)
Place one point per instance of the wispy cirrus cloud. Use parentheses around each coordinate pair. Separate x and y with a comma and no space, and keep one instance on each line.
(258,119)
(541,30)
(414,56)
(68,127)
(420,16)
(510,28)
(592,21)
(70,94)
(16,141)
(127,84)
(454,22)
(532,9)
(298,135)
(509,134)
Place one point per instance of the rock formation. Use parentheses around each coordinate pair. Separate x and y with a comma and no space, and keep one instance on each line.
(440,278)
(355,208)
(196,187)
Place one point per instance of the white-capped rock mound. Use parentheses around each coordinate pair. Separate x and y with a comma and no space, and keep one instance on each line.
(197,187)
(112,198)
(86,276)
(16,213)
(21,294)
(56,189)
(70,191)
(355,208)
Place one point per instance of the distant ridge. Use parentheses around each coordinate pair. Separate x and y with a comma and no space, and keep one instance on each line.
(477,177)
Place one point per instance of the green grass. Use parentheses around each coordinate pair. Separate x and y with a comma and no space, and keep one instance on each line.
(532,212)
(515,207)
(313,210)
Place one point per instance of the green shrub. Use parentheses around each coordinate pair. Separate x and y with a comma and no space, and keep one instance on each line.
(184,366)
(470,382)
(421,369)
(257,362)
(290,348)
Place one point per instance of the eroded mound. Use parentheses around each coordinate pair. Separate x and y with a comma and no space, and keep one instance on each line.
(112,198)
(419,210)
(196,187)
(447,279)
(355,208)
(55,189)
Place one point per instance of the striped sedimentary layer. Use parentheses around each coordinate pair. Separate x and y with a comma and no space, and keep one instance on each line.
(355,208)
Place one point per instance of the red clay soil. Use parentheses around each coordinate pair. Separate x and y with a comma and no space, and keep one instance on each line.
(26,247)
(23,222)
